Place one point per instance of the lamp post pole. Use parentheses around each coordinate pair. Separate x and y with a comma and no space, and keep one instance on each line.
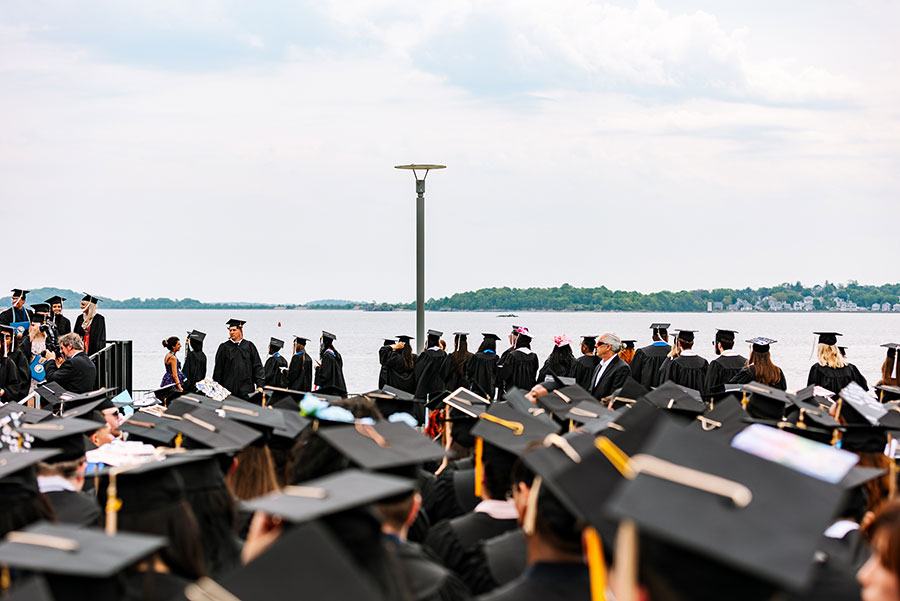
(420,248)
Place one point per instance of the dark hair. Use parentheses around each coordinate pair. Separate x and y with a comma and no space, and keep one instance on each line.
(488,344)
(432,340)
(184,552)
(20,514)
(661,335)
(764,371)
(272,350)
(888,521)
(406,355)
(686,344)
(523,341)
(170,342)
(888,377)
(498,465)
(216,515)
(460,354)
(196,345)
(560,360)
(727,344)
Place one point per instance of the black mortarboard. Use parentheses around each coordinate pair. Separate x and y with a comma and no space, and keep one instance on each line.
(510,429)
(307,558)
(589,341)
(886,392)
(630,391)
(463,399)
(829,338)
(515,329)
(383,445)
(66,435)
(328,335)
(460,334)
(294,425)
(765,402)
(724,420)
(27,415)
(587,411)
(64,549)
(196,335)
(686,335)
(390,400)
(517,399)
(55,299)
(489,336)
(725,335)
(276,343)
(387,342)
(405,338)
(92,411)
(152,429)
(761,344)
(41,308)
(628,344)
(90,298)
(17,474)
(435,333)
(235,323)
(660,328)
(300,340)
(860,406)
(19,293)
(733,525)
(32,589)
(36,317)
(204,428)
(332,494)
(264,419)
(673,397)
(148,486)
(560,401)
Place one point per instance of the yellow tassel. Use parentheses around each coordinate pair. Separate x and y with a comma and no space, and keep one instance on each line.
(531,506)
(596,563)
(178,440)
(479,465)
(744,400)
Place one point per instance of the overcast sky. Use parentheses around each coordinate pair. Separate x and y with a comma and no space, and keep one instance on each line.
(245,150)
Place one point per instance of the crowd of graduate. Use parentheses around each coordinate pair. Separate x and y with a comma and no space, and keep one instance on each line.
(626,473)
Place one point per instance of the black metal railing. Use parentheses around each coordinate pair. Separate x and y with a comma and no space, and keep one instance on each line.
(113,363)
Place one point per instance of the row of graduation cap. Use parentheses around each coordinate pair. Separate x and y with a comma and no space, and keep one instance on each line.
(700,484)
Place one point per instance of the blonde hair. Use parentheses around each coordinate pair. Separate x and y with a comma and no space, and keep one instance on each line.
(89,312)
(830,356)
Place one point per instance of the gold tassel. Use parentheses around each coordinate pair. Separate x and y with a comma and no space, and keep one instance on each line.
(5,580)
(113,504)
(479,465)
(626,562)
(596,563)
(531,506)
(178,440)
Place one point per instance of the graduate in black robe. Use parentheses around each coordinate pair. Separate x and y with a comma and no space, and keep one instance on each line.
(238,367)
(688,368)
(17,313)
(760,367)
(520,368)
(832,371)
(194,368)
(398,363)
(647,361)
(454,369)
(300,371)
(428,367)
(330,372)
(512,346)
(584,365)
(382,356)
(559,362)
(726,366)
(10,378)
(481,369)
(94,334)
(276,366)
(62,323)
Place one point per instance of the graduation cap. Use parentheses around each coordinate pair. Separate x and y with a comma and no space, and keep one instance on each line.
(680,399)
(19,293)
(686,335)
(205,429)
(628,344)
(517,399)
(149,428)
(589,341)
(53,300)
(405,338)
(276,343)
(630,391)
(765,402)
(41,308)
(18,480)
(724,420)
(235,323)
(387,342)
(489,336)
(391,400)
(90,298)
(328,335)
(761,344)
(435,333)
(32,589)
(294,425)
(91,411)
(27,415)
(886,392)
(723,335)
(466,401)
(67,436)
(332,494)
(460,334)
(383,445)
(37,317)
(301,340)
(69,550)
(868,421)
(660,328)
(511,430)
(829,338)
(693,492)
(560,400)
(196,335)
(306,557)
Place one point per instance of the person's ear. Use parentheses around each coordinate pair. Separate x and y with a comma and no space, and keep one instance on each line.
(414,510)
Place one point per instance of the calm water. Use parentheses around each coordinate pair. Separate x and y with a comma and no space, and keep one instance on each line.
(360,334)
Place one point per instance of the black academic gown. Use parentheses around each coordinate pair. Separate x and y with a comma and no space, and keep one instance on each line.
(453,379)
(238,368)
(646,364)
(331,371)
(748,374)
(428,373)
(274,376)
(721,371)
(425,579)
(11,381)
(519,369)
(63,325)
(153,586)
(498,561)
(481,371)
(835,379)
(98,333)
(455,541)
(565,581)
(558,369)
(686,370)
(582,370)
(300,372)
(19,315)
(76,508)
(194,369)
(396,373)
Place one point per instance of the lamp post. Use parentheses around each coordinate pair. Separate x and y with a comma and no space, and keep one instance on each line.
(420,248)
